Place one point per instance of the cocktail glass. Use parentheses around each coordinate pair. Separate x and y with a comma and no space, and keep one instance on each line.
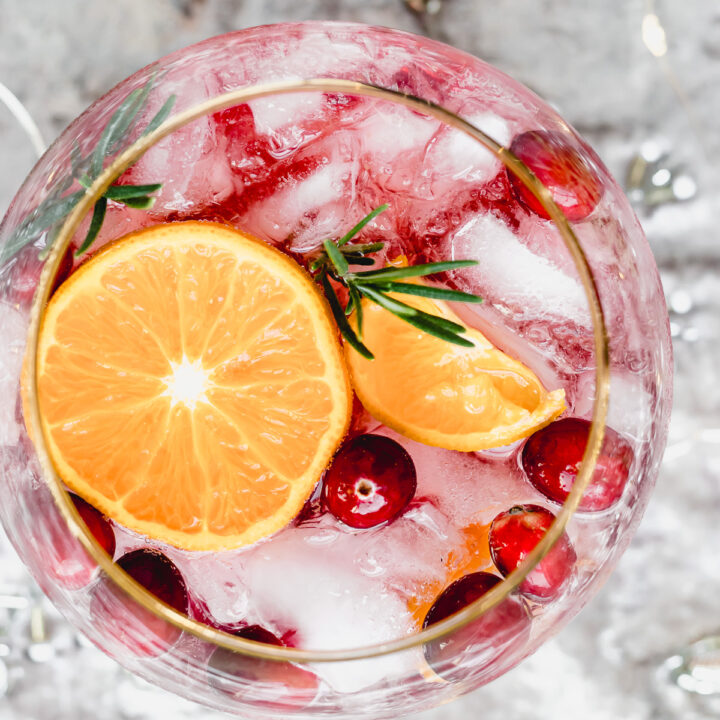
(293,133)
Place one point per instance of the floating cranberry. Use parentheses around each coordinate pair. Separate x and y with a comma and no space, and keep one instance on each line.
(275,683)
(157,574)
(515,533)
(257,633)
(97,524)
(242,629)
(371,481)
(551,459)
(460,594)
(476,648)
(561,164)
(136,628)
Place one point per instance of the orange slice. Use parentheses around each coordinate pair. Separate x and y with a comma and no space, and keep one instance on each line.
(442,394)
(191,385)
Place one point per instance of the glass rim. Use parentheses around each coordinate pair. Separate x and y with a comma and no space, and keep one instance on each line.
(221,638)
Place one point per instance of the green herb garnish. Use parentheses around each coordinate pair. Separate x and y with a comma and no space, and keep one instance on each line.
(85,170)
(377,285)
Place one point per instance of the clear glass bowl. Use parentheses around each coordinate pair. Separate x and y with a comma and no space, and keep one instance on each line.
(338,150)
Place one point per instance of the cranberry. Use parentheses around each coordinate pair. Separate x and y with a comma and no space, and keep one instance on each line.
(157,574)
(478,647)
(136,628)
(257,633)
(26,274)
(276,683)
(97,524)
(551,459)
(515,533)
(460,594)
(371,481)
(563,166)
(241,629)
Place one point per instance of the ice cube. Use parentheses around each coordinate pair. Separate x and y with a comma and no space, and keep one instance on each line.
(275,113)
(453,155)
(13,331)
(294,583)
(411,552)
(190,163)
(630,410)
(394,140)
(286,122)
(307,199)
(510,276)
(390,132)
(291,54)
(414,77)
(317,55)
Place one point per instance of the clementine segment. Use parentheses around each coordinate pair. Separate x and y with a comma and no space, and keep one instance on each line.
(443,394)
(191,385)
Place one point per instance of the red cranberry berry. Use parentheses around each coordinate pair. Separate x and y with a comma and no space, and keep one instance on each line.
(460,594)
(371,481)
(279,684)
(136,628)
(97,524)
(551,459)
(257,633)
(515,533)
(499,632)
(157,574)
(561,164)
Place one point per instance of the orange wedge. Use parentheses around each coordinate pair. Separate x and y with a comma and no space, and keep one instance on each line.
(442,394)
(191,385)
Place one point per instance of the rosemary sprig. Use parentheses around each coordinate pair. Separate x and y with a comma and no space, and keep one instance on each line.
(84,171)
(377,285)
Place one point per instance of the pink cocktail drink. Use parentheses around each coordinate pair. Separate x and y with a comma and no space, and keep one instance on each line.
(398,534)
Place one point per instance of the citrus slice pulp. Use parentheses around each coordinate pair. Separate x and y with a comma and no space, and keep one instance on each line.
(443,394)
(191,385)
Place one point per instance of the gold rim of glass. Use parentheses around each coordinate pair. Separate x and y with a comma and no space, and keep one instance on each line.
(218,637)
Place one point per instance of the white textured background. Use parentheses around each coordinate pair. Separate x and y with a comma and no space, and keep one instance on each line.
(587,57)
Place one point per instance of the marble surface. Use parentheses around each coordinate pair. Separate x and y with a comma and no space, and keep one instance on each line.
(594,63)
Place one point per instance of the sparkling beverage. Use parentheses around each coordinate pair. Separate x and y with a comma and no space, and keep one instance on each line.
(402,529)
